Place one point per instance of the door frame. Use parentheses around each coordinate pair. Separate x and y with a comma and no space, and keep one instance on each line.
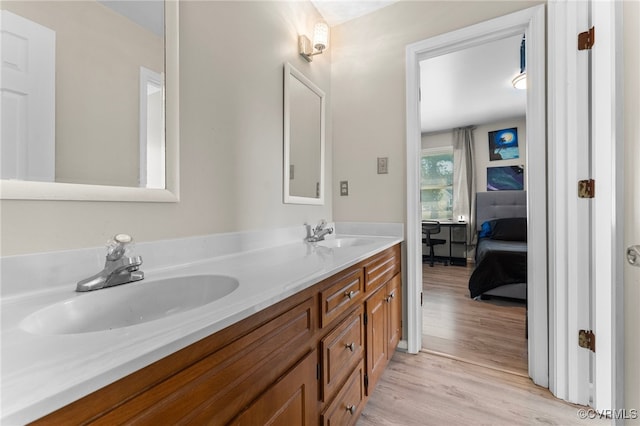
(530,21)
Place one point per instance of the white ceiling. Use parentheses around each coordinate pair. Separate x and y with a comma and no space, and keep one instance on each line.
(336,12)
(471,86)
(147,13)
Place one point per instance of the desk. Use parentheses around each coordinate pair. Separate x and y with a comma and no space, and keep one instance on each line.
(455,249)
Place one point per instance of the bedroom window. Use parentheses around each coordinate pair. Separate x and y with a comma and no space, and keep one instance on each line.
(436,184)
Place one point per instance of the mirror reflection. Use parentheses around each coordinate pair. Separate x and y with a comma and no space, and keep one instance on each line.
(303,139)
(82,89)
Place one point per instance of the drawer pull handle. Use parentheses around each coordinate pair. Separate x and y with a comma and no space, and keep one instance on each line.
(349,294)
(351,346)
(391,296)
(351,409)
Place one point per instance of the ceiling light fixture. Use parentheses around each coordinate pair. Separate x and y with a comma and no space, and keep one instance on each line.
(520,81)
(320,40)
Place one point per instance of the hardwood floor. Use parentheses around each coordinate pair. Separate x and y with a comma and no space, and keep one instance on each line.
(427,389)
(473,367)
(489,333)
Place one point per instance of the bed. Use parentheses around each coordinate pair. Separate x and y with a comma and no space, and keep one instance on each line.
(501,252)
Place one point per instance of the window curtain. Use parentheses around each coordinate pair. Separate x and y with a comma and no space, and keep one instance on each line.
(465,182)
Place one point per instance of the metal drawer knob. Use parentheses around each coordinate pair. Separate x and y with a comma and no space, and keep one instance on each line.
(351,346)
(350,294)
(351,408)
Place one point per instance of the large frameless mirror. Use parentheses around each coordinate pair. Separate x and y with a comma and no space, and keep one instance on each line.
(304,134)
(89,100)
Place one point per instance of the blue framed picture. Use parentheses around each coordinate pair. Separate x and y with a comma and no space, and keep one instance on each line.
(503,144)
(505,178)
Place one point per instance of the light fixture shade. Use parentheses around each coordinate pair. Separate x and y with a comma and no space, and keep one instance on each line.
(520,81)
(320,36)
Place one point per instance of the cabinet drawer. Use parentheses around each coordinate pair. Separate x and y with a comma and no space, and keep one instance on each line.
(341,350)
(342,293)
(346,408)
(382,268)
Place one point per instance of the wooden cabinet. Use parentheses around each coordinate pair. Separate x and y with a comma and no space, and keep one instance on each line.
(384,328)
(290,401)
(312,358)
(377,347)
(394,303)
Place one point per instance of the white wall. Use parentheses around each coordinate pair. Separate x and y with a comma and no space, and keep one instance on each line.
(231,112)
(368,86)
(481,139)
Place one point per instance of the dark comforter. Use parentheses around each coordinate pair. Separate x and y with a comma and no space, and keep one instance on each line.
(501,255)
(496,269)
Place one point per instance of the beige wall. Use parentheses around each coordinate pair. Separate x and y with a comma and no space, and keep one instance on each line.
(368,86)
(98,59)
(231,106)
(631,57)
(481,152)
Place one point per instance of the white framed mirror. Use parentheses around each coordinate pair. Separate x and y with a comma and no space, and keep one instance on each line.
(115,173)
(304,139)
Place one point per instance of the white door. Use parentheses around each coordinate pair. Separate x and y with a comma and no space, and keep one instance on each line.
(586,254)
(632,208)
(27,107)
(152,147)
(608,213)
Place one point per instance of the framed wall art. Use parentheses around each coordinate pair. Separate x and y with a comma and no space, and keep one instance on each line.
(505,178)
(503,144)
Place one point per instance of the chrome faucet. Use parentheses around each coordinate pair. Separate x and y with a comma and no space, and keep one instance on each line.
(118,268)
(319,232)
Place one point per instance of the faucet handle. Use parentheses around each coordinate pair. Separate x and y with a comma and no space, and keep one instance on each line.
(116,247)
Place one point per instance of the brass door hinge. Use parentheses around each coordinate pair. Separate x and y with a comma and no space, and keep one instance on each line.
(586,339)
(587,39)
(586,188)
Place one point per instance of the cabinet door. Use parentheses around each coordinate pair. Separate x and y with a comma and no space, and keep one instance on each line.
(394,301)
(292,400)
(377,340)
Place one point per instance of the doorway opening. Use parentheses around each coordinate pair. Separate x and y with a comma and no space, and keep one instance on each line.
(530,22)
(473,141)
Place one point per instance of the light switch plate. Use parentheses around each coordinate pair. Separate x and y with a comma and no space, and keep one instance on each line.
(383,165)
(344,187)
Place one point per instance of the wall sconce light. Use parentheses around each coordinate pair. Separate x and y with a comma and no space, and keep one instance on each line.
(520,80)
(320,39)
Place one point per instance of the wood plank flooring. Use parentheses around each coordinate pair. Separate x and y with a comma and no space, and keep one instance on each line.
(489,333)
(473,367)
(427,389)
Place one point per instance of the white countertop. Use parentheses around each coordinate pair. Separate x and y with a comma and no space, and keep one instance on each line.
(41,373)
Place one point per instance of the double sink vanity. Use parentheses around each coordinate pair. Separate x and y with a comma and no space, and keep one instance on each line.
(241,328)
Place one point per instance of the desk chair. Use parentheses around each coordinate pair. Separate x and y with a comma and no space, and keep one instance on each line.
(430,227)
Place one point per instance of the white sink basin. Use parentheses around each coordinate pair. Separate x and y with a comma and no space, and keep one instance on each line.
(128,304)
(344,242)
